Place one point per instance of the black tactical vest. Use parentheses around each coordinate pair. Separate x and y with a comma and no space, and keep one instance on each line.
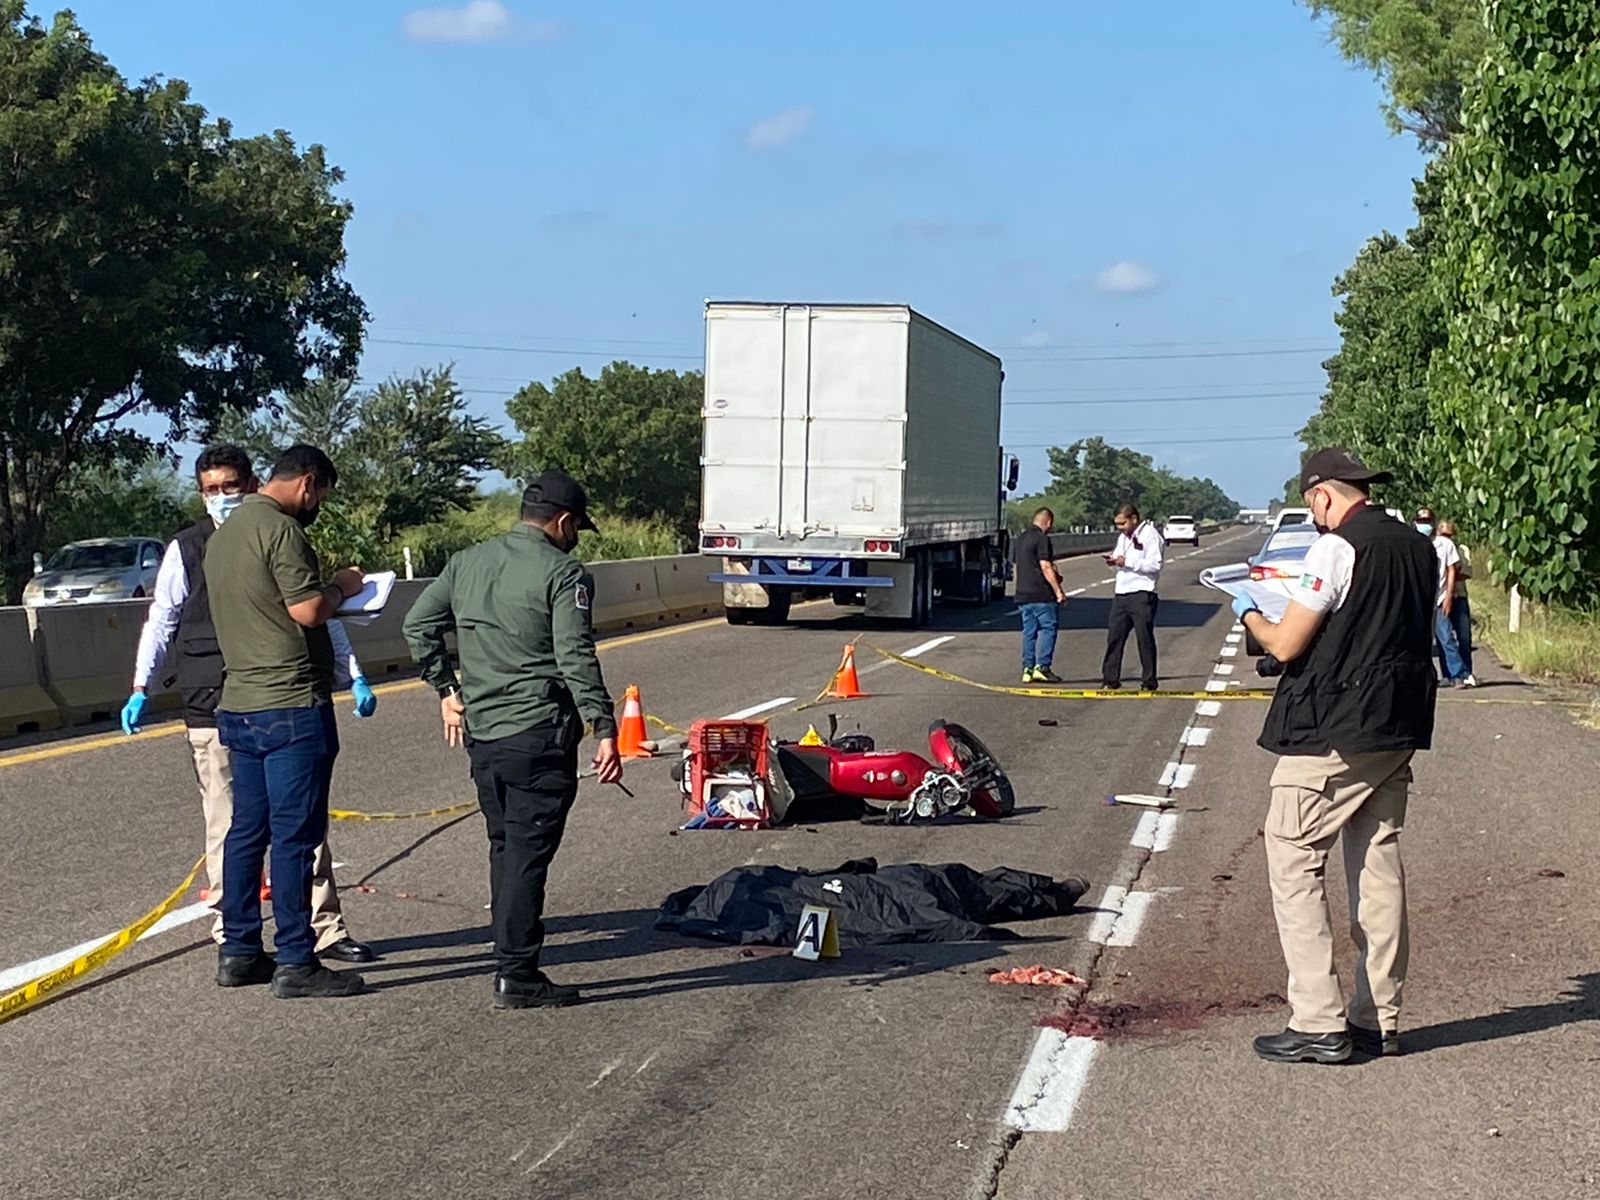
(1366,683)
(199,658)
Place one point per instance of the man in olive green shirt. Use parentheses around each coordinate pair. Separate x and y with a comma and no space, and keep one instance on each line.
(270,608)
(520,608)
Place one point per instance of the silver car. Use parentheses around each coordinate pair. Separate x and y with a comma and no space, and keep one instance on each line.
(96,570)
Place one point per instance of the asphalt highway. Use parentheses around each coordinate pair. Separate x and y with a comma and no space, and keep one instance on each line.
(694,1069)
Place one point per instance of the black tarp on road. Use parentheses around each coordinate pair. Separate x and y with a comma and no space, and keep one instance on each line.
(904,902)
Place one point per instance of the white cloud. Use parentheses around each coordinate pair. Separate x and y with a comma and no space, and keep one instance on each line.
(1127,279)
(779,129)
(475,21)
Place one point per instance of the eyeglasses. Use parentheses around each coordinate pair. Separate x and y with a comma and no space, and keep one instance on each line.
(231,487)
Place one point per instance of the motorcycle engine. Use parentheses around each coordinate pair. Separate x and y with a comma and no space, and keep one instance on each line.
(854,743)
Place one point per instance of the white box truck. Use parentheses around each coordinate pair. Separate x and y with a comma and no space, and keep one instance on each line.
(851,451)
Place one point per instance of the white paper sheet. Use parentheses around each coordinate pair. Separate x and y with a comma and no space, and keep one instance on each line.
(369,601)
(1270,598)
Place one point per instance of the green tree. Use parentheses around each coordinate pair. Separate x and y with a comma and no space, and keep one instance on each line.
(408,453)
(1519,273)
(1391,325)
(1422,51)
(1091,477)
(151,264)
(151,499)
(631,437)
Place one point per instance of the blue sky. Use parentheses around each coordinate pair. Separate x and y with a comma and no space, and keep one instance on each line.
(1126,202)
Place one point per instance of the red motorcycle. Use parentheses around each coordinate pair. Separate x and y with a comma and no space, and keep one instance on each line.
(734,775)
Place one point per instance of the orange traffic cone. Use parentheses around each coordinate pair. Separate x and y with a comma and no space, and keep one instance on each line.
(845,685)
(631,734)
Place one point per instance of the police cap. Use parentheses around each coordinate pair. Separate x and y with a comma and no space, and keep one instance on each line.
(1336,464)
(560,490)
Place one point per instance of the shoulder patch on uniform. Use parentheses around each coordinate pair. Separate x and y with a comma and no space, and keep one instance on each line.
(1311,583)
(580,596)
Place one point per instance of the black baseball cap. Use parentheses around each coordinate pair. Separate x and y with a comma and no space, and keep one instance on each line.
(563,491)
(1336,464)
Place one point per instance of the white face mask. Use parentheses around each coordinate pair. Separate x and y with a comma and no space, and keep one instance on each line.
(220,506)
(1425,528)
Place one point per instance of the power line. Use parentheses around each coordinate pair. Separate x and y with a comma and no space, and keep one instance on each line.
(1158,357)
(1276,437)
(561,352)
(540,337)
(1162,387)
(1161,399)
(1098,432)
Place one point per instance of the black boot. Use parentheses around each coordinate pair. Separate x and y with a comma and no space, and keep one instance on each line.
(242,970)
(1293,1046)
(537,992)
(314,981)
(1374,1044)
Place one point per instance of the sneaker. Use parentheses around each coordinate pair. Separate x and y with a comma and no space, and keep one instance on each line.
(1046,675)
(537,992)
(244,970)
(1469,681)
(314,981)
(1027,675)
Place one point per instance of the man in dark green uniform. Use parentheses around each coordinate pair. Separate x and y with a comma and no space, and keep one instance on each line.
(520,608)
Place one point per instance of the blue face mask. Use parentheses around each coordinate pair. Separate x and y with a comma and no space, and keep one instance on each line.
(1424,528)
(220,506)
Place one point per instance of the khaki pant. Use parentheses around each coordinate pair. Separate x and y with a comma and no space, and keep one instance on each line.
(1314,799)
(213,770)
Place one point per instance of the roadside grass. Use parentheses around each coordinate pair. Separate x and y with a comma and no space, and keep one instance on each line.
(1556,644)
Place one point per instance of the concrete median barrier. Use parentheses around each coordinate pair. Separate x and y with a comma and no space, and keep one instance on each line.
(625,595)
(73,664)
(1069,545)
(25,707)
(85,654)
(684,589)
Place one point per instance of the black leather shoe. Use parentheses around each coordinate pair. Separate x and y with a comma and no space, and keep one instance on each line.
(314,981)
(1293,1046)
(349,950)
(1107,686)
(537,992)
(243,970)
(1374,1044)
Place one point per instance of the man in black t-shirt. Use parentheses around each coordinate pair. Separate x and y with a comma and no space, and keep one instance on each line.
(1038,596)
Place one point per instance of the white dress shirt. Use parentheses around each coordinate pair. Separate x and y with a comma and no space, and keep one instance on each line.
(166,609)
(1141,563)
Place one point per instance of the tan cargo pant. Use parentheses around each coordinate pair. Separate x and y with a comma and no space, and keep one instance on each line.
(213,770)
(1314,799)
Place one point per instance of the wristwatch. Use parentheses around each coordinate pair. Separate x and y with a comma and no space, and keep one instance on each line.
(448,690)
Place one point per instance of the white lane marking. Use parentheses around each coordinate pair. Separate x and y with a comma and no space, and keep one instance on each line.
(1134,907)
(1197,735)
(339,866)
(1106,919)
(15,977)
(1177,775)
(1238,629)
(1233,639)
(1154,831)
(1216,685)
(1051,1083)
(1229,651)
(1208,708)
(931,644)
(1222,669)
(758,708)
(1077,591)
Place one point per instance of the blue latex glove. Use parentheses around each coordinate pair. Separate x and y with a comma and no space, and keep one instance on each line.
(133,713)
(366,701)
(1242,605)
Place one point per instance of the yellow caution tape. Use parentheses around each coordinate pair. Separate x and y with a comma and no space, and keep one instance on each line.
(346,814)
(1058,693)
(15,1003)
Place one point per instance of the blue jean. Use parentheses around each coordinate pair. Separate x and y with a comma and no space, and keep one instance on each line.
(1460,622)
(1039,625)
(282,769)
(1444,640)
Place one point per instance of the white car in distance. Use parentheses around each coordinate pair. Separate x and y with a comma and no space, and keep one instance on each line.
(1180,528)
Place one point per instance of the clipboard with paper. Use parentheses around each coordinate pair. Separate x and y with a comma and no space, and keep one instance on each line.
(1270,597)
(366,604)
